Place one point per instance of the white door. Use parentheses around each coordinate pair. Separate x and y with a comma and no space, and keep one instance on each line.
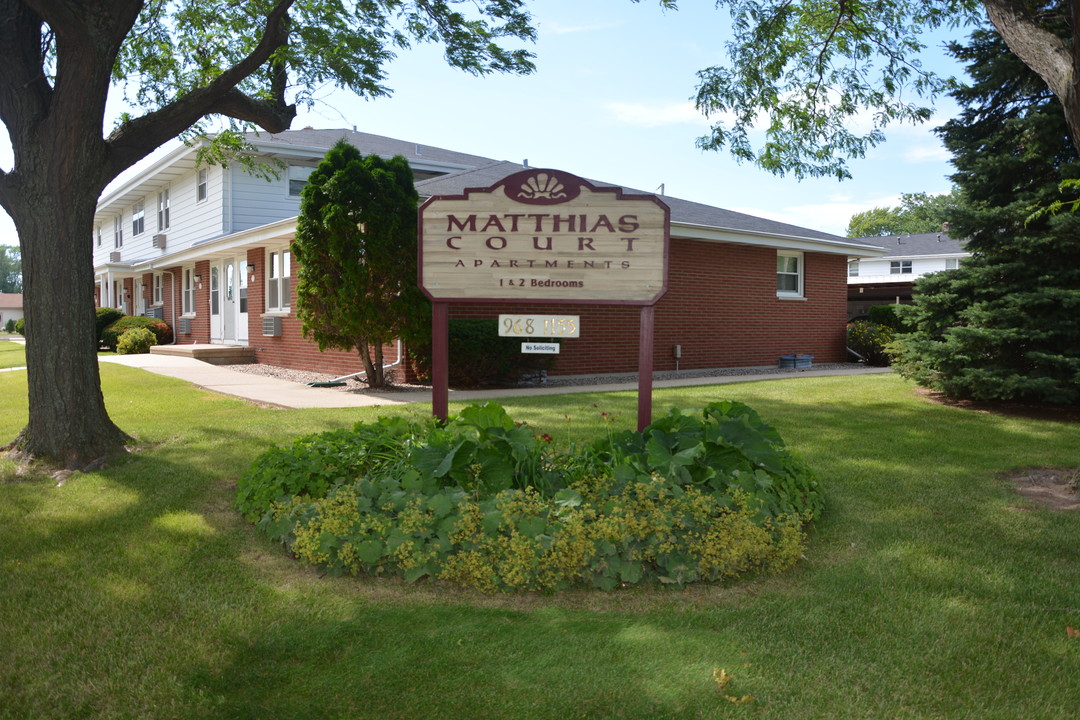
(140,298)
(215,304)
(242,302)
(228,302)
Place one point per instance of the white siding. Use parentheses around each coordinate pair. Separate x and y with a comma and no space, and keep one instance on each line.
(879,269)
(194,221)
(256,201)
(190,221)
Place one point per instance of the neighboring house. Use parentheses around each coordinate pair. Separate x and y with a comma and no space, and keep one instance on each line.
(207,250)
(11,307)
(888,279)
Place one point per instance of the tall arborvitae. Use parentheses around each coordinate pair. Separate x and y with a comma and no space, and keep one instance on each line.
(356,249)
(1006,325)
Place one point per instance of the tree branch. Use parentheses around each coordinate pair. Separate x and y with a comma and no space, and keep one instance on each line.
(1053,58)
(136,138)
(24,88)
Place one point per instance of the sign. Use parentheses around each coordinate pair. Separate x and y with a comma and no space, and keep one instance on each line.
(541,348)
(549,326)
(544,236)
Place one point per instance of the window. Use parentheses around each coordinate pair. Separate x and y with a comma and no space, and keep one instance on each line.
(200,185)
(900,267)
(789,274)
(298,178)
(118,232)
(158,295)
(278,288)
(138,218)
(99,236)
(188,294)
(853,268)
(163,210)
(952,263)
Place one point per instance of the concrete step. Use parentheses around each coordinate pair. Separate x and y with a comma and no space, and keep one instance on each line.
(213,354)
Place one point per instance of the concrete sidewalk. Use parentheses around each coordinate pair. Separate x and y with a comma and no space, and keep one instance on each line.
(282,393)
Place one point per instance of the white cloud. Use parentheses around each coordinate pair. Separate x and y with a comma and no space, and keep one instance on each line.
(926,153)
(650,116)
(831,217)
(558,29)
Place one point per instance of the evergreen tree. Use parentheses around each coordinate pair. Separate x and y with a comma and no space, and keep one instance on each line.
(356,247)
(1006,324)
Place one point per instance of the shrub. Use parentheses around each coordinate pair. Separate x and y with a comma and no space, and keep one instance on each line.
(869,340)
(106,316)
(478,356)
(491,504)
(314,464)
(601,534)
(20,326)
(891,316)
(159,328)
(9,326)
(135,341)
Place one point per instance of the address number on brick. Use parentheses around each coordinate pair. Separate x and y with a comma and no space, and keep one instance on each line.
(552,326)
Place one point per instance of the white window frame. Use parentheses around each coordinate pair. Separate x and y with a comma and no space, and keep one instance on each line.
(278,280)
(781,257)
(118,232)
(159,293)
(99,236)
(163,210)
(138,218)
(188,292)
(952,263)
(900,267)
(853,268)
(202,185)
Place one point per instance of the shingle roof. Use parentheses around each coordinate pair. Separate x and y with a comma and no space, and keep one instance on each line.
(682,211)
(366,143)
(919,244)
(11,300)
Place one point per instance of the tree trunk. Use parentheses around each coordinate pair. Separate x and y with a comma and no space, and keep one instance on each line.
(1054,59)
(373,363)
(68,422)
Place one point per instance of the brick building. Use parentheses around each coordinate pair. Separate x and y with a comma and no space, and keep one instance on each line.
(207,250)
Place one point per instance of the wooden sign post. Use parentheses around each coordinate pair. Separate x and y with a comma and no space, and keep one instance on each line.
(543,236)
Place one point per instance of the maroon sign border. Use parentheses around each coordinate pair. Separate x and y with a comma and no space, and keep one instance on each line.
(440,381)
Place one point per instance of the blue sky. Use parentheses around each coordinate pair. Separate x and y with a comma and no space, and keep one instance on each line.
(611,101)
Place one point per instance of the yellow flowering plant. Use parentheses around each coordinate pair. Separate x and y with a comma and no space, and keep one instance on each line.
(689,499)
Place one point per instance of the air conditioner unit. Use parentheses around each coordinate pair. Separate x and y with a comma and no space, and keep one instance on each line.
(114,257)
(184,324)
(158,241)
(158,313)
(271,326)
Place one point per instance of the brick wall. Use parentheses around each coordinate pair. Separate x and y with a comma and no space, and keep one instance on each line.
(291,349)
(721,307)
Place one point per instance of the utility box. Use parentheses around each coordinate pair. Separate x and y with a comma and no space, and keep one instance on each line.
(797,362)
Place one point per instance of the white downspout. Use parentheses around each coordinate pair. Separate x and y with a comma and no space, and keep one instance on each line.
(384,367)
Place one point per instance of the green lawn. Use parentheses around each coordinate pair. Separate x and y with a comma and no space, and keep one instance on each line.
(12,354)
(929,590)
